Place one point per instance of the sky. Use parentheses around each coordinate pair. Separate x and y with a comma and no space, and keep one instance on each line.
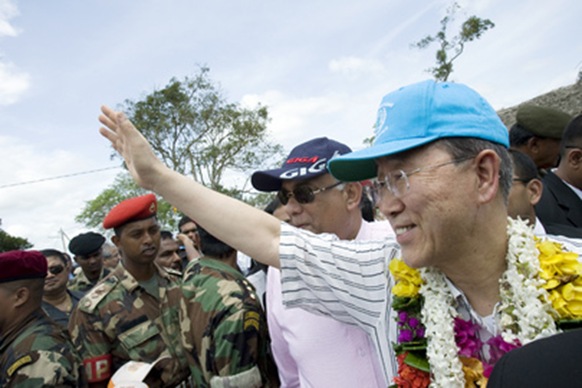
(320,66)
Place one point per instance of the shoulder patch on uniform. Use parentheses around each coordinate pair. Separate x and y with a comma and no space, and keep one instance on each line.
(18,363)
(251,319)
(91,300)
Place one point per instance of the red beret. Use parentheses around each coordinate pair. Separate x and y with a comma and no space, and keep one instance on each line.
(133,209)
(18,265)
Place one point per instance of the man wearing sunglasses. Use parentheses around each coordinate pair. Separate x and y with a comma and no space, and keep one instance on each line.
(561,202)
(313,350)
(34,350)
(58,301)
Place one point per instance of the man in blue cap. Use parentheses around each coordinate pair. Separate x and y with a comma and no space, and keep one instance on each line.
(443,175)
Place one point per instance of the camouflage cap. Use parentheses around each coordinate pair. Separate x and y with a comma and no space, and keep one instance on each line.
(18,265)
(542,121)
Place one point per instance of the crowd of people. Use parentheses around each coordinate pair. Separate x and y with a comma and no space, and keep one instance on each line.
(434,257)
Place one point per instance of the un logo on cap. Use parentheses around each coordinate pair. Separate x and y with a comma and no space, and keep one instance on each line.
(381,125)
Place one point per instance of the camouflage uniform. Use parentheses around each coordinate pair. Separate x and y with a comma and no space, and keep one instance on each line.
(224,331)
(118,321)
(38,353)
(82,284)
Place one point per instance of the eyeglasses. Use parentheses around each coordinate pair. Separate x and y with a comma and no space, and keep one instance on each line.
(573,147)
(189,231)
(56,269)
(303,194)
(398,182)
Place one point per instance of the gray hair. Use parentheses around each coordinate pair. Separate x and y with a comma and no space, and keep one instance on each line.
(465,147)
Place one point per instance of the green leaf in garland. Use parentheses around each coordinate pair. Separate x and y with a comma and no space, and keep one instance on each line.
(417,361)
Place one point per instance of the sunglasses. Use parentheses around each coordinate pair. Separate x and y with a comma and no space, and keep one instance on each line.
(303,194)
(56,269)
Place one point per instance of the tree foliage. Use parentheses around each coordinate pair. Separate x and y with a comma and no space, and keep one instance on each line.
(451,48)
(10,243)
(194,130)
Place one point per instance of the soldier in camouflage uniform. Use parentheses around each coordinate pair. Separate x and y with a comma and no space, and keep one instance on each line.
(133,313)
(224,330)
(88,251)
(34,351)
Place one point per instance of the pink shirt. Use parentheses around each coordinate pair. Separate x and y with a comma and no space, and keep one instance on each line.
(316,351)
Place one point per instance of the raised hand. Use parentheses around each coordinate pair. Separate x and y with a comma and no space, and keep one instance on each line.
(141,161)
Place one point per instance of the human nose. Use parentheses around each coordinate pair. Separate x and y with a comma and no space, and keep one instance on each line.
(390,205)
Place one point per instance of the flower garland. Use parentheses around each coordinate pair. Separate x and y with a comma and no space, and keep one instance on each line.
(436,347)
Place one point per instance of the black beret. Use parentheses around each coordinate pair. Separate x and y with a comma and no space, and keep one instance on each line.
(542,121)
(86,243)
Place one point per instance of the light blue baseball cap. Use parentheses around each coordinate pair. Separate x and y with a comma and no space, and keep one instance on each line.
(419,114)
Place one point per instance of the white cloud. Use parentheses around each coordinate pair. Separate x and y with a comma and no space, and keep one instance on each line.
(13,83)
(8,10)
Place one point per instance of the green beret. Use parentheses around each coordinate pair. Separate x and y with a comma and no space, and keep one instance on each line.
(542,121)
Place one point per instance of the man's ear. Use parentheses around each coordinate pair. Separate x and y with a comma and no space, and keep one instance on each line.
(21,296)
(488,165)
(574,157)
(535,187)
(353,194)
(115,240)
(533,144)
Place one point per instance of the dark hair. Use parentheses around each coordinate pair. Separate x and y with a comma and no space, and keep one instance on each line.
(464,147)
(184,220)
(211,246)
(572,135)
(166,235)
(366,206)
(524,167)
(519,136)
(53,252)
(273,205)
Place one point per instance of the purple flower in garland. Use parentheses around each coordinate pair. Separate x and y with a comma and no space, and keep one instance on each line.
(402,318)
(405,336)
(410,327)
(413,322)
(466,338)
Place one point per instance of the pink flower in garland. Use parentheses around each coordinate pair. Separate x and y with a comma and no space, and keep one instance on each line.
(497,348)
(466,338)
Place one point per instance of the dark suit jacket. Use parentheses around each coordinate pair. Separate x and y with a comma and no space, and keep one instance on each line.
(559,205)
(550,362)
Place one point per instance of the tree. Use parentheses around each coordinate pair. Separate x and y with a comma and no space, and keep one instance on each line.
(10,243)
(451,49)
(195,131)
